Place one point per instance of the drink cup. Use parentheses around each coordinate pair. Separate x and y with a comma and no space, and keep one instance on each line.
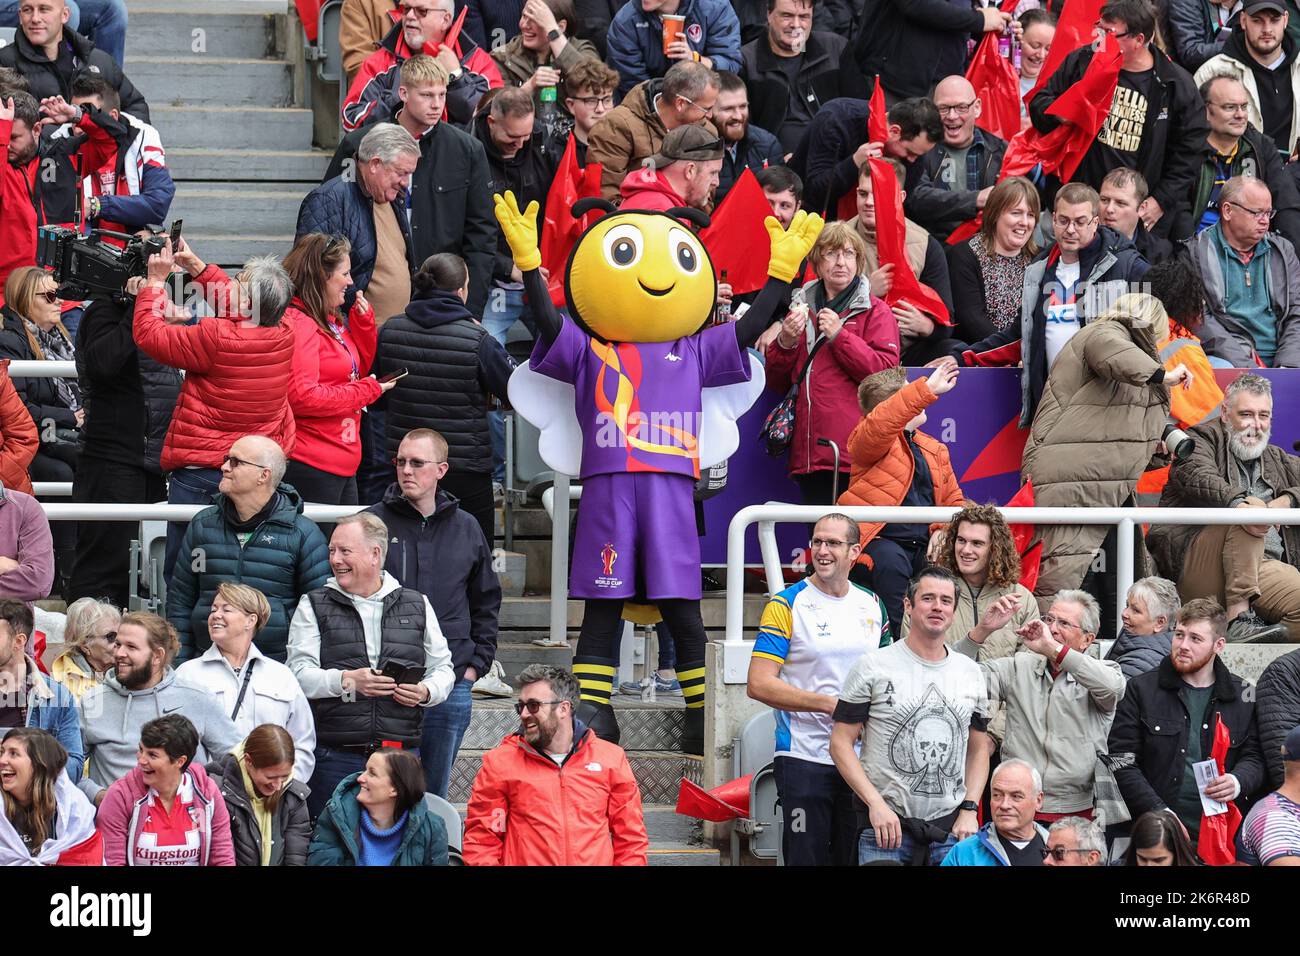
(674,27)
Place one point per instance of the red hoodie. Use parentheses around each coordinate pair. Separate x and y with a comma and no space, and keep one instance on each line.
(123,819)
(646,188)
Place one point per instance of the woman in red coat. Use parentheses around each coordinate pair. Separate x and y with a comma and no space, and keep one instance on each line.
(19,440)
(862,339)
(331,384)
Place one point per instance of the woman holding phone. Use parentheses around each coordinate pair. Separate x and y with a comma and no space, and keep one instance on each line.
(331,384)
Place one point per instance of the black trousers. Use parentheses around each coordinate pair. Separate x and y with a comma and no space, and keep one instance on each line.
(819,823)
(474,489)
(321,487)
(103,563)
(58,462)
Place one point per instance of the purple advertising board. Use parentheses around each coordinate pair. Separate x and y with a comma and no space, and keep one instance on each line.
(977,421)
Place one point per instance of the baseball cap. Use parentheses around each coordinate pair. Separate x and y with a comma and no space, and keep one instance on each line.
(1291,748)
(692,143)
(1254,6)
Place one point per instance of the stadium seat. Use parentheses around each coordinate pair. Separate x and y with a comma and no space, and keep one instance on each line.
(451,819)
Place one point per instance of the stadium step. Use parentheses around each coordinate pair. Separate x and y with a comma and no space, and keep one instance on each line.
(204,80)
(230,251)
(232,129)
(175,29)
(534,612)
(658,773)
(237,209)
(249,165)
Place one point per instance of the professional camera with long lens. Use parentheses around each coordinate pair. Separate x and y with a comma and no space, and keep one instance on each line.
(1179,443)
(89,266)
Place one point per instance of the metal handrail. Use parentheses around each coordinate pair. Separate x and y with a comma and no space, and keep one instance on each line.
(42,369)
(165,512)
(735,650)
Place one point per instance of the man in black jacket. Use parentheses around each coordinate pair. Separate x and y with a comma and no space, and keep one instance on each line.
(1124,195)
(438,550)
(956,176)
(909,44)
(451,205)
(128,399)
(792,70)
(1165,725)
(745,146)
(50,55)
(1238,149)
(1156,120)
(1277,706)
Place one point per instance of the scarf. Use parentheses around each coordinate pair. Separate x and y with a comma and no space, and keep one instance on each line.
(258,804)
(840,303)
(74,823)
(56,349)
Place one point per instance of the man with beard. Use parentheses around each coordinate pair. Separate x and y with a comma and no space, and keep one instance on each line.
(1252,280)
(554,794)
(141,686)
(1166,724)
(744,145)
(683,173)
(1251,569)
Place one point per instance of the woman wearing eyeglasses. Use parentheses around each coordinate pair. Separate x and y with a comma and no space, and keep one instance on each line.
(33,331)
(542,52)
(89,641)
(331,384)
(378,817)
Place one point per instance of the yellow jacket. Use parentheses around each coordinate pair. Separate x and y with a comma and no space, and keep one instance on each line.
(71,670)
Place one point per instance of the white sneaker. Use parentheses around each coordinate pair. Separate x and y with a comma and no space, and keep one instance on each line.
(493,683)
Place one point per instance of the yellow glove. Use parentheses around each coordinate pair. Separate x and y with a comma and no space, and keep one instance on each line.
(792,247)
(520,230)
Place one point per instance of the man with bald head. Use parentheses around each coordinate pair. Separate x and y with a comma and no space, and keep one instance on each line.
(254,534)
(956,176)
(1252,281)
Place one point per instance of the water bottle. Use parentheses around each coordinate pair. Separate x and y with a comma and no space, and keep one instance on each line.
(547,112)
(722,315)
(1015,55)
(1004,44)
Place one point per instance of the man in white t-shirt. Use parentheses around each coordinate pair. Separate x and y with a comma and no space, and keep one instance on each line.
(809,637)
(921,711)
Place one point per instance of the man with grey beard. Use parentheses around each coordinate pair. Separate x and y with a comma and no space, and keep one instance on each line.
(1250,569)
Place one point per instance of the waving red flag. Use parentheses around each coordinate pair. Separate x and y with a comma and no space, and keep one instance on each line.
(1074,28)
(891,246)
(996,85)
(1215,842)
(559,229)
(452,38)
(877,132)
(730,236)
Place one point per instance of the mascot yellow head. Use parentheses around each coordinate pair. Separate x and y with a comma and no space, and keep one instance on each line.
(640,276)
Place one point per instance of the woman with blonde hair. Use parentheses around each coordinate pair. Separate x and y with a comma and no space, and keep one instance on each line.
(849,334)
(89,641)
(269,824)
(250,688)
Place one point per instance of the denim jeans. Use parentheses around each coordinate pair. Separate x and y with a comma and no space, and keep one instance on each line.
(104,21)
(331,767)
(444,728)
(868,852)
(186,486)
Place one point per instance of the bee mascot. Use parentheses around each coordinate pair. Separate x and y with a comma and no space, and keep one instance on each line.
(634,394)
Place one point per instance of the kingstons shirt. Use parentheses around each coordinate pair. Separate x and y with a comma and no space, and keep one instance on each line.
(917,717)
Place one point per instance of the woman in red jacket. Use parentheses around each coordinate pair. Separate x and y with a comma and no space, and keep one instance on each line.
(861,336)
(331,360)
(19,440)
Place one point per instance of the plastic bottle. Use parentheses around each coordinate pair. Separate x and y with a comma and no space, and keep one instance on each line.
(1005,44)
(722,314)
(547,111)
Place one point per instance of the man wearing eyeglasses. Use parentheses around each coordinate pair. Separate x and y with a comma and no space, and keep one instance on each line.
(1238,149)
(1154,122)
(1252,280)
(1263,58)
(437,548)
(588,91)
(421,26)
(956,176)
(1074,841)
(254,533)
(810,636)
(553,793)
(1057,685)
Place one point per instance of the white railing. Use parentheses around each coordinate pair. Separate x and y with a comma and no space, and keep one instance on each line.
(42,369)
(736,650)
(166,512)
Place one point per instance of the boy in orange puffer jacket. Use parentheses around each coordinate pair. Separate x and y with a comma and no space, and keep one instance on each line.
(896,464)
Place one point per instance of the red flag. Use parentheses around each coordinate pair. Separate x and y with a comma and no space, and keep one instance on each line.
(891,247)
(877,132)
(1022,534)
(1215,843)
(309,14)
(730,236)
(1074,28)
(452,38)
(559,229)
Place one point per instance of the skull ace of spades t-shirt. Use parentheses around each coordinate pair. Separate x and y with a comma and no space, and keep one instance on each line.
(918,716)
(1119,141)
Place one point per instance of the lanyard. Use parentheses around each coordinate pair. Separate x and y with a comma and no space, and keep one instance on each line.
(338,337)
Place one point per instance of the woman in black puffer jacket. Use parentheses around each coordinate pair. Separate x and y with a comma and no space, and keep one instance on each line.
(256,781)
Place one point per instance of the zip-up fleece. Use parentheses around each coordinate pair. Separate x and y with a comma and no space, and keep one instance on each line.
(121,814)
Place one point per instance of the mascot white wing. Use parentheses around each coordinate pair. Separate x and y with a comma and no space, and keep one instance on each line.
(549,405)
(722,408)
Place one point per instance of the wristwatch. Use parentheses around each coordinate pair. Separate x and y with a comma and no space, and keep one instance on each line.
(553,35)
(970,805)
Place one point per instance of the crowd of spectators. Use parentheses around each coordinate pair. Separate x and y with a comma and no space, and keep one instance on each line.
(272,714)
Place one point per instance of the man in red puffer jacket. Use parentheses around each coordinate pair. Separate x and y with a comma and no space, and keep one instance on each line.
(238,365)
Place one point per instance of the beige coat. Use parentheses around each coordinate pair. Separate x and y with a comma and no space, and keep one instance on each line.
(1096,428)
(1058,726)
(362,24)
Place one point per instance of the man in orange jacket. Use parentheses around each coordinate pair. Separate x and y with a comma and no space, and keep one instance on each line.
(554,794)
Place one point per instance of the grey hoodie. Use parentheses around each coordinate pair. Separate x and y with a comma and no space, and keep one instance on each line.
(111,718)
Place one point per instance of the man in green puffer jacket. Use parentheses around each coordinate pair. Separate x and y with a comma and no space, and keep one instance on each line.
(253,534)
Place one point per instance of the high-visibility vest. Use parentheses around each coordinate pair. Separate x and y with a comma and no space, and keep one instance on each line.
(1190,406)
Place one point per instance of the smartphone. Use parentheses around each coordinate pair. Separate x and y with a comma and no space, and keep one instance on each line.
(176,233)
(401,673)
(394,376)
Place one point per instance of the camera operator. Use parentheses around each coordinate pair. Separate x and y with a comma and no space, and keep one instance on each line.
(238,367)
(128,399)
(1102,414)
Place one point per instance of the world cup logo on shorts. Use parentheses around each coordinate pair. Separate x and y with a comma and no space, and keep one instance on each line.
(608,556)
